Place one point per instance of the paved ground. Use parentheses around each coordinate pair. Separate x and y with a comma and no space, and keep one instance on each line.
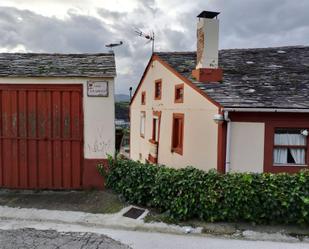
(143,240)
(67,229)
(28,238)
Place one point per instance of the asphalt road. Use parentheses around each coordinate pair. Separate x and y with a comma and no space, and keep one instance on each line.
(29,238)
(68,236)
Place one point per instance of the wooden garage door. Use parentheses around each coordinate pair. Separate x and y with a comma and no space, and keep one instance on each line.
(41,136)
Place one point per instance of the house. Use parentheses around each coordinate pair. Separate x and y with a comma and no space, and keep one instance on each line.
(241,110)
(56,119)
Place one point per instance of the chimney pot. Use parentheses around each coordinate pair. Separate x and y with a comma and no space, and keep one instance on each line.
(208,14)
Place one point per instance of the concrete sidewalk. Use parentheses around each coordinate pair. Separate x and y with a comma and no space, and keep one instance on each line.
(115,221)
(119,222)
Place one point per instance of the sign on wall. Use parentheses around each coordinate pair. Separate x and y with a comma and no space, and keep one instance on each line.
(97,89)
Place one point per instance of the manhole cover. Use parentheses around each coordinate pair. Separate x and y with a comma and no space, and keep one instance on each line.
(134,213)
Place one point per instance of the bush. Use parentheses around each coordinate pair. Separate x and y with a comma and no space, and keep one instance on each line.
(191,193)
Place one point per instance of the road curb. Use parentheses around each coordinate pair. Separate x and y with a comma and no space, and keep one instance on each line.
(117,221)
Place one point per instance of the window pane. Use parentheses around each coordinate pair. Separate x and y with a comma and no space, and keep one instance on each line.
(281,156)
(157,89)
(289,156)
(155,129)
(142,124)
(176,133)
(143,98)
(298,155)
(289,138)
(179,93)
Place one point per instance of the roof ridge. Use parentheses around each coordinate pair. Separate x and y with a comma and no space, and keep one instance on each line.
(174,52)
(236,49)
(66,54)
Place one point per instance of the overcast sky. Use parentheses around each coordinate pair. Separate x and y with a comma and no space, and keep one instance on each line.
(78,26)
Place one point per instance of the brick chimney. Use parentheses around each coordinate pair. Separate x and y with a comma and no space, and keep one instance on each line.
(207,48)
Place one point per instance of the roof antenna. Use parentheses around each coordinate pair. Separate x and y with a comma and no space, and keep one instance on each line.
(150,36)
(112,45)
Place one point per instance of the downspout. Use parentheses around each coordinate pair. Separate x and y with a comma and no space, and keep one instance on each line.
(228,142)
(265,110)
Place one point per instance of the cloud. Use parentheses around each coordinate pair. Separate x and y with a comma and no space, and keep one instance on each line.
(40,33)
(89,25)
(263,23)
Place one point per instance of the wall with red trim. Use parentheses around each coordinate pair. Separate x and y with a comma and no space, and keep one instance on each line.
(200,143)
(272,121)
(91,177)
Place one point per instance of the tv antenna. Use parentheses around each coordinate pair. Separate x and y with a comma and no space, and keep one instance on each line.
(112,45)
(150,37)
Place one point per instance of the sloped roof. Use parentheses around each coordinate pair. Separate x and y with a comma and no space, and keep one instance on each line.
(253,78)
(57,65)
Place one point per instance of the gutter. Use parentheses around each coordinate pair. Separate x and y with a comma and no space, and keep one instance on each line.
(265,110)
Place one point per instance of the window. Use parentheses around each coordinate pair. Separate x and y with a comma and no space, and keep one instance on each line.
(179,90)
(143,98)
(155,129)
(158,89)
(142,124)
(177,133)
(290,147)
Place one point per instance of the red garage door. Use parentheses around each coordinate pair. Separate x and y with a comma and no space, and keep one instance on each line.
(41,136)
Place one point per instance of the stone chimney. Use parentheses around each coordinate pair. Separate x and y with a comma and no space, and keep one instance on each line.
(207,48)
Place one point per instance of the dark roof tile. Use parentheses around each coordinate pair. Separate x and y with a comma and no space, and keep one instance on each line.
(57,65)
(262,77)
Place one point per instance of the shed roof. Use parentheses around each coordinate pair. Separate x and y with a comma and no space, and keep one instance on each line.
(57,65)
(253,78)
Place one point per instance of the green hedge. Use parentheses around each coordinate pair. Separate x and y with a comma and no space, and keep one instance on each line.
(210,196)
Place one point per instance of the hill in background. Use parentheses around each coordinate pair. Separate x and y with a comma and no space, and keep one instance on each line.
(122,98)
(122,110)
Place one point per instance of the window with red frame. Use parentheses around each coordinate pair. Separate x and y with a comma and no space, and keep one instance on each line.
(179,91)
(142,124)
(177,133)
(290,147)
(143,98)
(158,89)
(155,129)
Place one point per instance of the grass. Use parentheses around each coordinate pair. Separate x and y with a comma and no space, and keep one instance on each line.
(111,204)
(229,228)
(153,216)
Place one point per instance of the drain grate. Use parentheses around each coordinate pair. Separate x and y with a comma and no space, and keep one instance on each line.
(134,213)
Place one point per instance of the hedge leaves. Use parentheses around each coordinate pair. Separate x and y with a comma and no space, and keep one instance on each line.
(191,193)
